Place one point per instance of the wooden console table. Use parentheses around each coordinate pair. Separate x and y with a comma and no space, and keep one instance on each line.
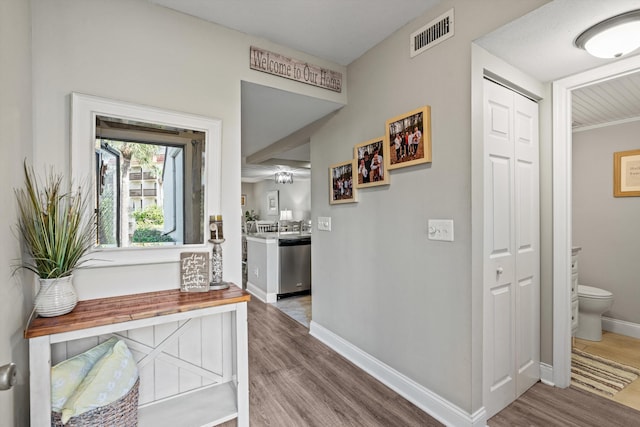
(206,406)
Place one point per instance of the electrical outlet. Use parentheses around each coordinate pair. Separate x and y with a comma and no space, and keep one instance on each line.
(441,229)
(256,272)
(324,223)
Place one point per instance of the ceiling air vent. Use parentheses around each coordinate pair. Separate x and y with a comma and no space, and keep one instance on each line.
(433,33)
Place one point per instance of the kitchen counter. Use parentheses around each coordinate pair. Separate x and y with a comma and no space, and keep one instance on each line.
(263,262)
(277,236)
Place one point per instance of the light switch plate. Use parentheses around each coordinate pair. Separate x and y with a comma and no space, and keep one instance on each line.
(324,223)
(440,229)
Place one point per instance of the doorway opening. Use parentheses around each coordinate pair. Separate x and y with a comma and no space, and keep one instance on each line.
(562,205)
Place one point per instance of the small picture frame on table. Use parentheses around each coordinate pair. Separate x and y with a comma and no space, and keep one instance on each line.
(342,188)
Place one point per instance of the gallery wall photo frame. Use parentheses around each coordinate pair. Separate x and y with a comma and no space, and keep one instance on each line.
(372,161)
(272,202)
(342,183)
(409,138)
(626,173)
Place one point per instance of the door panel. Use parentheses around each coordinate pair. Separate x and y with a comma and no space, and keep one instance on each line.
(502,319)
(511,248)
(500,199)
(499,263)
(527,241)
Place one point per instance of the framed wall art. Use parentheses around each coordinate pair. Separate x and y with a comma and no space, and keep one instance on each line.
(409,138)
(342,179)
(272,202)
(372,160)
(243,200)
(626,173)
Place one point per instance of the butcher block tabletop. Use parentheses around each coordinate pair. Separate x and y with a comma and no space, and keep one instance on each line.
(107,311)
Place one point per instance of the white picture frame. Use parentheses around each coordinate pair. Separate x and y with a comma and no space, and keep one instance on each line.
(272,202)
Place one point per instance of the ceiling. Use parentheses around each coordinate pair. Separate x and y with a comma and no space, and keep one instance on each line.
(613,101)
(540,43)
(319,27)
(269,116)
(364,23)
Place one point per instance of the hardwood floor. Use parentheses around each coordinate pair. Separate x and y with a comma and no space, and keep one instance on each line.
(546,406)
(549,406)
(295,380)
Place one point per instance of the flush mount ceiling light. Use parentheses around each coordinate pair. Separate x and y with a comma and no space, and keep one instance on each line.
(613,37)
(284,177)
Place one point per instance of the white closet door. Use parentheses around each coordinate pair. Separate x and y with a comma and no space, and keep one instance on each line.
(527,222)
(511,255)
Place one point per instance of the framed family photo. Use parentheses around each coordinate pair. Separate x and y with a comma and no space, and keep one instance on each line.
(342,179)
(372,159)
(626,173)
(409,138)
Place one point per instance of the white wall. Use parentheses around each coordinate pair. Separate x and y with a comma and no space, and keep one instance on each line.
(251,201)
(16,145)
(139,52)
(379,283)
(606,227)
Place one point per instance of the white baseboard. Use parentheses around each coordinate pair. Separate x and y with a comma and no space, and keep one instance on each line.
(621,327)
(430,402)
(260,294)
(546,374)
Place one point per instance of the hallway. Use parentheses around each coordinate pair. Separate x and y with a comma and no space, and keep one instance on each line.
(295,380)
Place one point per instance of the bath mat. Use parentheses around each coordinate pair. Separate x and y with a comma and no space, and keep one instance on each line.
(599,375)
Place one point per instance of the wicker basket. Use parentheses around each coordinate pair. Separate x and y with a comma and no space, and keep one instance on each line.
(121,413)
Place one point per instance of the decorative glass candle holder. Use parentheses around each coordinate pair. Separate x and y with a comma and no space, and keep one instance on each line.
(216,266)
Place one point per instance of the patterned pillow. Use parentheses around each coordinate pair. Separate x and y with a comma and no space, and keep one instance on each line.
(109,379)
(68,374)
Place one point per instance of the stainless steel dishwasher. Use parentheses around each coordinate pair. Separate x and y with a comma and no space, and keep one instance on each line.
(295,265)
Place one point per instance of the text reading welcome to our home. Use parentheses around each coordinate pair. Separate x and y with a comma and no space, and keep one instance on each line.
(276,64)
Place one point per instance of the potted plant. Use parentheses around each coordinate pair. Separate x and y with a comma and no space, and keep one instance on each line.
(58,227)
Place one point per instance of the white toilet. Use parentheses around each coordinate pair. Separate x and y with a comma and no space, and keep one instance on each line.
(592,302)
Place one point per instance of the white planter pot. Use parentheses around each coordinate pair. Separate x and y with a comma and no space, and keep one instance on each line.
(56,297)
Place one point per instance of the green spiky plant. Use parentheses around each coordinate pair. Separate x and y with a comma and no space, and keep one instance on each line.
(58,225)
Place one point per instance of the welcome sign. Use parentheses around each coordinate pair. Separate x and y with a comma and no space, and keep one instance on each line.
(288,68)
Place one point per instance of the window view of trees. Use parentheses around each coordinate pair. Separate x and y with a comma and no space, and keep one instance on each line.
(149,184)
(131,193)
(149,223)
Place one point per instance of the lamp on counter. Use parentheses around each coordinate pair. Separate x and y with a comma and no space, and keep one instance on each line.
(284,177)
(286,215)
(613,37)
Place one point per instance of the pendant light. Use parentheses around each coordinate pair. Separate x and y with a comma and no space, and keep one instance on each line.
(613,37)
(284,177)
